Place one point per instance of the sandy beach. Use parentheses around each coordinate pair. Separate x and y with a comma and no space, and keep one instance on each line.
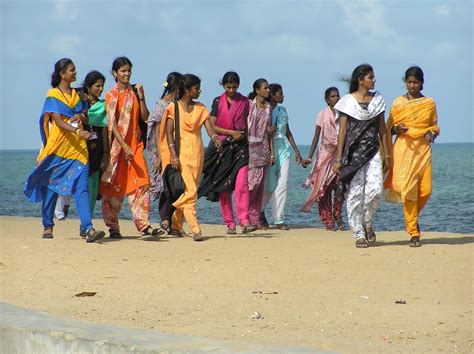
(311,287)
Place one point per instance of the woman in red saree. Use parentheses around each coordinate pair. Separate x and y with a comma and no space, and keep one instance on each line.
(126,173)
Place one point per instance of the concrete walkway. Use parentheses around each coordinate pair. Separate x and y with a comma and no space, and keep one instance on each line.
(27,331)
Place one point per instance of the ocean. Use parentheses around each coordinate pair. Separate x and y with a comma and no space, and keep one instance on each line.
(450,209)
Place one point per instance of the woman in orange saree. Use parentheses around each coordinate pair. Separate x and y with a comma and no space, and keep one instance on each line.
(126,172)
(414,121)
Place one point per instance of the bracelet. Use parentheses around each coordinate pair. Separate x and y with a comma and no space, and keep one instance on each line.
(176,159)
(338,160)
(170,145)
(388,155)
(77,131)
(212,137)
(272,155)
(141,99)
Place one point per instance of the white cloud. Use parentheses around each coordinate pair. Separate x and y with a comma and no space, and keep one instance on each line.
(65,44)
(65,10)
(366,20)
(442,10)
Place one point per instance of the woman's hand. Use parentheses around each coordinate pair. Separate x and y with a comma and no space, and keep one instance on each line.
(127,152)
(306,162)
(175,163)
(298,158)
(272,129)
(140,91)
(388,163)
(104,162)
(237,134)
(218,144)
(272,160)
(336,166)
(430,137)
(157,164)
(401,128)
(83,134)
(78,117)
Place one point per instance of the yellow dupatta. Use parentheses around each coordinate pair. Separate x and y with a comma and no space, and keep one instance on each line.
(411,152)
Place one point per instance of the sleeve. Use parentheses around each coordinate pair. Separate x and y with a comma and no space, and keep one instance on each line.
(319,119)
(215,107)
(434,127)
(168,113)
(204,114)
(157,113)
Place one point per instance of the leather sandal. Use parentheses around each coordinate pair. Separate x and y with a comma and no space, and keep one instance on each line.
(94,235)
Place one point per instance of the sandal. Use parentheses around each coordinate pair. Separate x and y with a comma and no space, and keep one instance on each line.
(330,227)
(340,224)
(246,229)
(362,243)
(282,226)
(197,236)
(231,231)
(370,235)
(166,228)
(47,233)
(177,233)
(415,242)
(115,234)
(151,234)
(93,235)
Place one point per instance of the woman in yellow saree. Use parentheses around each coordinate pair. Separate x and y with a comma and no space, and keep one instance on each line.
(414,121)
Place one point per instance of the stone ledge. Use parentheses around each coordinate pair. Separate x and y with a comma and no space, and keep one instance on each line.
(28,331)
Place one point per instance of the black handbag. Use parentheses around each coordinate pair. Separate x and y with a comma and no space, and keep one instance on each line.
(174,183)
(143,125)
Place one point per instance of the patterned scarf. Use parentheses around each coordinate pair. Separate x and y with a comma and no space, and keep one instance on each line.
(123,123)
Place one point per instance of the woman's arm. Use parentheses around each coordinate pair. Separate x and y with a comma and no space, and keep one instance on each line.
(236,134)
(171,143)
(384,139)
(144,112)
(83,134)
(212,134)
(341,139)
(290,138)
(272,149)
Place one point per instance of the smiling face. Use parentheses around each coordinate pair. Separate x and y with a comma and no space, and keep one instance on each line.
(332,98)
(123,74)
(414,86)
(69,74)
(368,81)
(263,91)
(97,88)
(231,89)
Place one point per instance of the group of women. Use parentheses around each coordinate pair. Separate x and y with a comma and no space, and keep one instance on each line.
(94,148)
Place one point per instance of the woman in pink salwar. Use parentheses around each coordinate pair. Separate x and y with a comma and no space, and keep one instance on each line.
(227,171)
(322,179)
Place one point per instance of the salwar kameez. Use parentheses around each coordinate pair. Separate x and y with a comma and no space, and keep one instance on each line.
(410,181)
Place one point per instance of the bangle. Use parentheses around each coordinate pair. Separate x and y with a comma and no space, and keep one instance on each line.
(170,145)
(141,99)
(77,131)
(212,137)
(338,160)
(272,155)
(176,159)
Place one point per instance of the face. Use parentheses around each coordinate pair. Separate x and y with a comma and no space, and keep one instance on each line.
(368,81)
(97,88)
(194,92)
(263,91)
(69,74)
(413,85)
(332,98)
(123,74)
(231,89)
(278,97)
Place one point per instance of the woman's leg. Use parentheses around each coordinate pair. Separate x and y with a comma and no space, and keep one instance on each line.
(111,207)
(47,210)
(412,208)
(278,198)
(242,196)
(93,190)
(225,200)
(139,203)
(178,220)
(81,197)
(256,198)
(373,189)
(354,200)
(166,209)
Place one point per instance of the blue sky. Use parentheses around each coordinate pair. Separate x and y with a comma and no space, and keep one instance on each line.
(304,45)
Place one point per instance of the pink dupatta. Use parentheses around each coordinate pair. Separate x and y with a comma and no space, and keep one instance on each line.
(233,118)
(123,123)
(321,174)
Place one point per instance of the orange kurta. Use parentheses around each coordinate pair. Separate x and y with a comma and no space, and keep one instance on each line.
(191,158)
(129,176)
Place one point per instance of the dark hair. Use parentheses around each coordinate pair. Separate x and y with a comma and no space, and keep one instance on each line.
(172,83)
(91,78)
(417,73)
(359,73)
(187,81)
(329,90)
(59,67)
(230,77)
(119,62)
(274,88)
(256,85)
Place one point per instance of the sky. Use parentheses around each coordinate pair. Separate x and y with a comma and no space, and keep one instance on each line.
(306,46)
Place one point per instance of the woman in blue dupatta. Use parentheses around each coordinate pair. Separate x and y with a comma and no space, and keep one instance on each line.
(62,166)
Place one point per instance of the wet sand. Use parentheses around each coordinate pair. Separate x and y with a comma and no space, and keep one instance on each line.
(311,287)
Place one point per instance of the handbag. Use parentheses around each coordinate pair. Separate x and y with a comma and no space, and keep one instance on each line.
(174,183)
(143,125)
